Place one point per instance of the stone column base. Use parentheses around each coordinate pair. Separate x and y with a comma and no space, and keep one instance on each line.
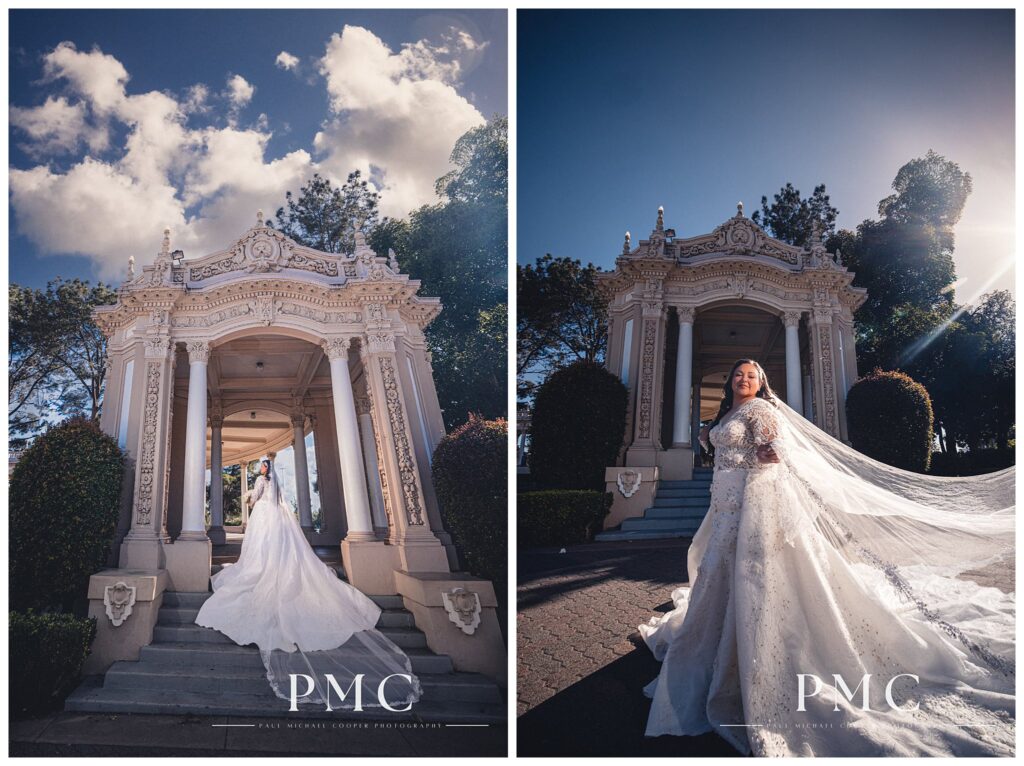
(188,565)
(369,565)
(676,464)
(421,554)
(481,650)
(124,641)
(142,553)
(639,499)
(217,535)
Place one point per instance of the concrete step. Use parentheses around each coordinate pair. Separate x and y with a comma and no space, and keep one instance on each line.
(685,492)
(676,513)
(464,687)
(179,615)
(190,633)
(680,502)
(195,600)
(660,525)
(97,698)
(618,535)
(216,656)
(684,483)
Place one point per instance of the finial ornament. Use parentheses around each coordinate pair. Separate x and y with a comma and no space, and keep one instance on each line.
(661,218)
(625,245)
(739,209)
(815,232)
(131,267)
(259,218)
(165,249)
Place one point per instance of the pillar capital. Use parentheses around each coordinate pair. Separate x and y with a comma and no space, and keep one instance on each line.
(792,318)
(298,420)
(336,347)
(198,351)
(159,347)
(821,316)
(380,342)
(686,314)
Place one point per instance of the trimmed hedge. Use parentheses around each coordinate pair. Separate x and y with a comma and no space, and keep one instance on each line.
(577,427)
(889,418)
(560,517)
(65,494)
(46,656)
(470,469)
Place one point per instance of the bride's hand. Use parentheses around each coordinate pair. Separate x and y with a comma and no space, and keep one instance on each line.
(766,454)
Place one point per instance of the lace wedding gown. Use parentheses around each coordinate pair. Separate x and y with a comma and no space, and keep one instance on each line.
(829,563)
(305,620)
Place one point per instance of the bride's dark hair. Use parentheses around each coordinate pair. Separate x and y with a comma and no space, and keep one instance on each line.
(764,391)
(268,464)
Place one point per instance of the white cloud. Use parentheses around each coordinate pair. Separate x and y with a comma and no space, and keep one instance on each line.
(393,115)
(398,112)
(239,90)
(287,61)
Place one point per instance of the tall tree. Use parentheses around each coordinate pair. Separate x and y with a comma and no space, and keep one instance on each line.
(326,218)
(790,216)
(561,318)
(58,356)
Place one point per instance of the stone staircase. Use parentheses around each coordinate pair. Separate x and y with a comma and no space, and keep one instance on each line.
(191,669)
(679,508)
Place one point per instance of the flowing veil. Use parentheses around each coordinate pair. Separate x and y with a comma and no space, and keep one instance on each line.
(313,630)
(945,545)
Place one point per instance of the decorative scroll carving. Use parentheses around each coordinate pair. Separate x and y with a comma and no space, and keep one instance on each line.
(233,262)
(326,317)
(739,236)
(463,608)
(336,348)
(118,600)
(403,450)
(824,328)
(381,342)
(316,265)
(151,412)
(629,482)
(375,312)
(210,320)
(198,351)
(647,378)
(264,309)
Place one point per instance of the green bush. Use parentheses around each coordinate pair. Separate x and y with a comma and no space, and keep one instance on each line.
(65,495)
(560,516)
(889,418)
(577,427)
(46,656)
(470,469)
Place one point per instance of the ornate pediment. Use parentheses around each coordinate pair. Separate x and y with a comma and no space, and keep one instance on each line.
(738,236)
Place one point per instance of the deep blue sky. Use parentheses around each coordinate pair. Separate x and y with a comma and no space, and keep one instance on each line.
(169,51)
(622,111)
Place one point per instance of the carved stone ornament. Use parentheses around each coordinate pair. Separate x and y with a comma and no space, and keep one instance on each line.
(336,348)
(118,600)
(629,482)
(403,449)
(463,608)
(381,342)
(198,351)
(144,503)
(264,309)
(740,236)
(647,378)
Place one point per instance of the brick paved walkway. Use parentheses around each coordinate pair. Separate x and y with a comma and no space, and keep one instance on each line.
(582,665)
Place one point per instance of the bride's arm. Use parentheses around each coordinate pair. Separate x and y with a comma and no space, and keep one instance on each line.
(256,492)
(766,431)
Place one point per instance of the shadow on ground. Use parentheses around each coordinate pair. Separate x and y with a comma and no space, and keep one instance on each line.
(605,714)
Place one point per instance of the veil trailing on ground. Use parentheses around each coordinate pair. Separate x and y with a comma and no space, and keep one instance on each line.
(316,633)
(945,545)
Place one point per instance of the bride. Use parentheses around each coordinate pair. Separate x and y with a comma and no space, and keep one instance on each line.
(307,623)
(837,606)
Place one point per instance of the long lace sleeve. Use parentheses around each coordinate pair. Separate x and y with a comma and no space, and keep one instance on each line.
(257,491)
(766,426)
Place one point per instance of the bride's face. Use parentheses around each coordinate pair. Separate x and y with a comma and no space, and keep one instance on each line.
(263,469)
(745,381)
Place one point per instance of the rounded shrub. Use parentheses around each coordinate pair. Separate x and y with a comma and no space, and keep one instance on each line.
(65,495)
(46,654)
(889,418)
(470,470)
(560,516)
(577,427)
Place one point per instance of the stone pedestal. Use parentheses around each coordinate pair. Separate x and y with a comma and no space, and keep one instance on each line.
(676,464)
(640,482)
(188,565)
(473,638)
(137,616)
(370,565)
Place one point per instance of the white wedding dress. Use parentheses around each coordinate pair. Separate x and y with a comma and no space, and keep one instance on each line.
(304,619)
(830,563)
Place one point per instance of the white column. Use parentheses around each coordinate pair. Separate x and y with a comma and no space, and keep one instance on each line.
(193,521)
(380,519)
(245,490)
(684,378)
(302,473)
(794,386)
(350,453)
(216,533)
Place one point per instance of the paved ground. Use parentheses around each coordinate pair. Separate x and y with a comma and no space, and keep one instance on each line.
(125,734)
(581,663)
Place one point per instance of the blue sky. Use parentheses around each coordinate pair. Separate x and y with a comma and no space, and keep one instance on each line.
(620,112)
(124,122)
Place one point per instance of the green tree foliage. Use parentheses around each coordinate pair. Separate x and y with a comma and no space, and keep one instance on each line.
(326,218)
(790,217)
(64,503)
(470,471)
(889,418)
(561,317)
(560,516)
(47,652)
(579,418)
(57,360)
(458,249)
